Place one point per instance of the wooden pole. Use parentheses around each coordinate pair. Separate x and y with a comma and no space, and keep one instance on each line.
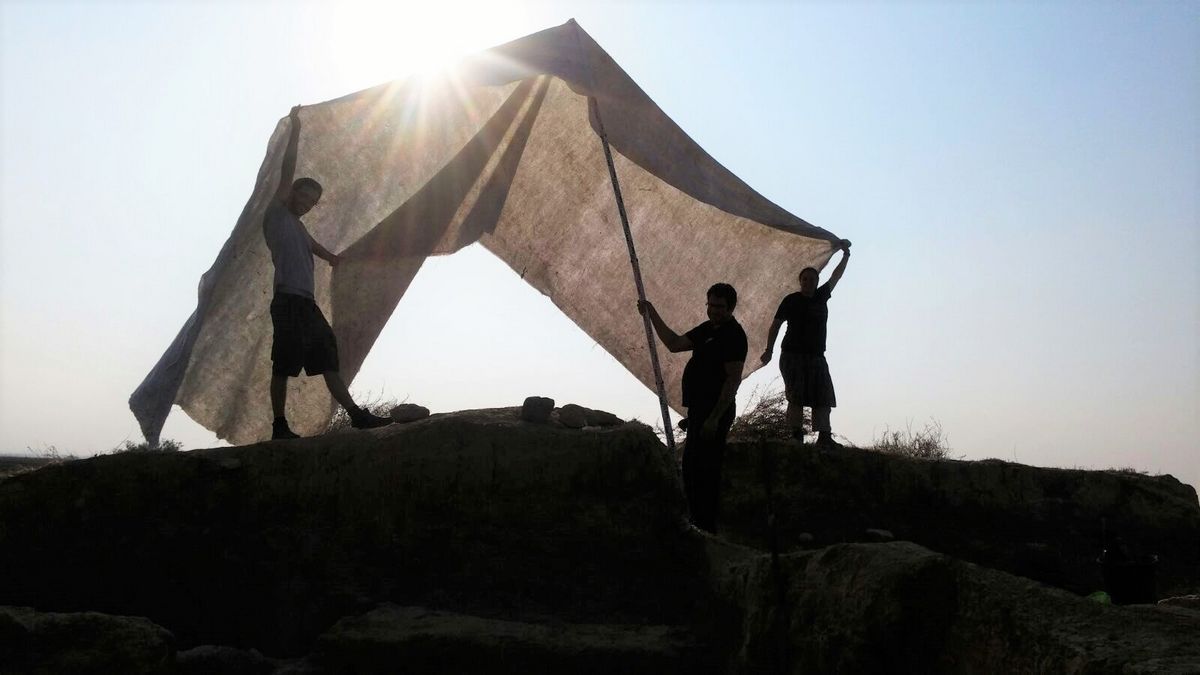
(637,277)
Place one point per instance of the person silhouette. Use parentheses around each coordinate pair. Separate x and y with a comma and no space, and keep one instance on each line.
(302,337)
(806,378)
(710,383)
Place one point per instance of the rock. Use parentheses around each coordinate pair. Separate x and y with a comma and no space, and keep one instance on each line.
(878,535)
(902,608)
(537,409)
(1185,601)
(471,507)
(1044,524)
(600,418)
(82,642)
(409,412)
(213,659)
(572,416)
(428,641)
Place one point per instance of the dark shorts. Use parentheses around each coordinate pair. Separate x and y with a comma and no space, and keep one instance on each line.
(806,380)
(303,338)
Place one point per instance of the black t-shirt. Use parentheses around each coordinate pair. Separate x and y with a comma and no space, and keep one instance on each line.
(806,318)
(713,345)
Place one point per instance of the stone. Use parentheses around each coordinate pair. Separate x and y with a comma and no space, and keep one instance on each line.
(409,412)
(600,418)
(572,416)
(1191,602)
(466,507)
(207,659)
(1041,523)
(82,642)
(449,642)
(878,535)
(899,607)
(537,409)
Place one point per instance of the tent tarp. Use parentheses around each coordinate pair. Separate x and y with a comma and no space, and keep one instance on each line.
(502,149)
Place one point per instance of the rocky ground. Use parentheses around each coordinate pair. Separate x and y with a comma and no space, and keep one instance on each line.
(478,542)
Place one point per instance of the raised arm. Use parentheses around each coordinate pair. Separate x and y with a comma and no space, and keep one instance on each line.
(841,268)
(287,172)
(673,341)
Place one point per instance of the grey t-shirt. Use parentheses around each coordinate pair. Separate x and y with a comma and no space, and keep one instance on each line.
(290,251)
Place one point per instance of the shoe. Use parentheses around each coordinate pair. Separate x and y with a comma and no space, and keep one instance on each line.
(281,432)
(826,442)
(798,433)
(366,420)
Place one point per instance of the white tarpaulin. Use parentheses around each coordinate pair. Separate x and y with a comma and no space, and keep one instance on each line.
(502,149)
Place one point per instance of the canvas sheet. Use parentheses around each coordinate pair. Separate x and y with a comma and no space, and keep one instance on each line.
(502,149)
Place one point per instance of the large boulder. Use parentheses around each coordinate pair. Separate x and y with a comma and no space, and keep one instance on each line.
(267,545)
(82,642)
(434,642)
(889,608)
(1046,524)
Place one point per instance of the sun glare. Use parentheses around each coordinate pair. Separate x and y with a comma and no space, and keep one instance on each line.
(373,42)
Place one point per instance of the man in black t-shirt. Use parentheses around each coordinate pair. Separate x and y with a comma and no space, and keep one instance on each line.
(802,363)
(710,383)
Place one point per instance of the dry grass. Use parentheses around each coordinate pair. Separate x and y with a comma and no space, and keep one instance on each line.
(927,443)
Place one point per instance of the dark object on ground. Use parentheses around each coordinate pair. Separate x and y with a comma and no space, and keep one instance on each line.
(572,416)
(537,409)
(1191,602)
(409,412)
(280,431)
(81,642)
(1044,524)
(600,418)
(367,420)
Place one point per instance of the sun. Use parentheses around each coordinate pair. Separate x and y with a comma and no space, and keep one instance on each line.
(374,41)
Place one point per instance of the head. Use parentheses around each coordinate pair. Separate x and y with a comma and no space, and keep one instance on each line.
(722,299)
(808,281)
(305,194)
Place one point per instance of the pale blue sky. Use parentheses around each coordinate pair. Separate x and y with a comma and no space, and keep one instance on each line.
(1021,182)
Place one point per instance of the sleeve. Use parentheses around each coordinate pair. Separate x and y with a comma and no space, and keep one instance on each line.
(824,291)
(697,334)
(781,314)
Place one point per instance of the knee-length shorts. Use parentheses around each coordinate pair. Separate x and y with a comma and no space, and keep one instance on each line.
(303,338)
(806,380)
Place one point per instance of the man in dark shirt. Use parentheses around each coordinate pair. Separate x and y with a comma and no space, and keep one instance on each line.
(710,383)
(802,363)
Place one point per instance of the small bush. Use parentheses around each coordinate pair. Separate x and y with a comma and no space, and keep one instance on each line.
(165,445)
(928,443)
(765,418)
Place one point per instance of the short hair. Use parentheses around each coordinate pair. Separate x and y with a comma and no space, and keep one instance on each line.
(809,269)
(307,182)
(726,293)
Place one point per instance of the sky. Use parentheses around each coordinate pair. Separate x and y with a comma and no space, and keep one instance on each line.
(1021,182)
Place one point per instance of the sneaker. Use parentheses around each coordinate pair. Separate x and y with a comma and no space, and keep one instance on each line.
(280,431)
(365,420)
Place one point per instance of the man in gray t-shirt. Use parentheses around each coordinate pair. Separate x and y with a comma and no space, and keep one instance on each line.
(302,336)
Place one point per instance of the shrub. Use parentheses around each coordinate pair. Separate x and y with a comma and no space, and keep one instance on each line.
(928,443)
(765,418)
(165,445)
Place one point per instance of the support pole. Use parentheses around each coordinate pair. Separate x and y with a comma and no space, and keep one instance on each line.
(637,277)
